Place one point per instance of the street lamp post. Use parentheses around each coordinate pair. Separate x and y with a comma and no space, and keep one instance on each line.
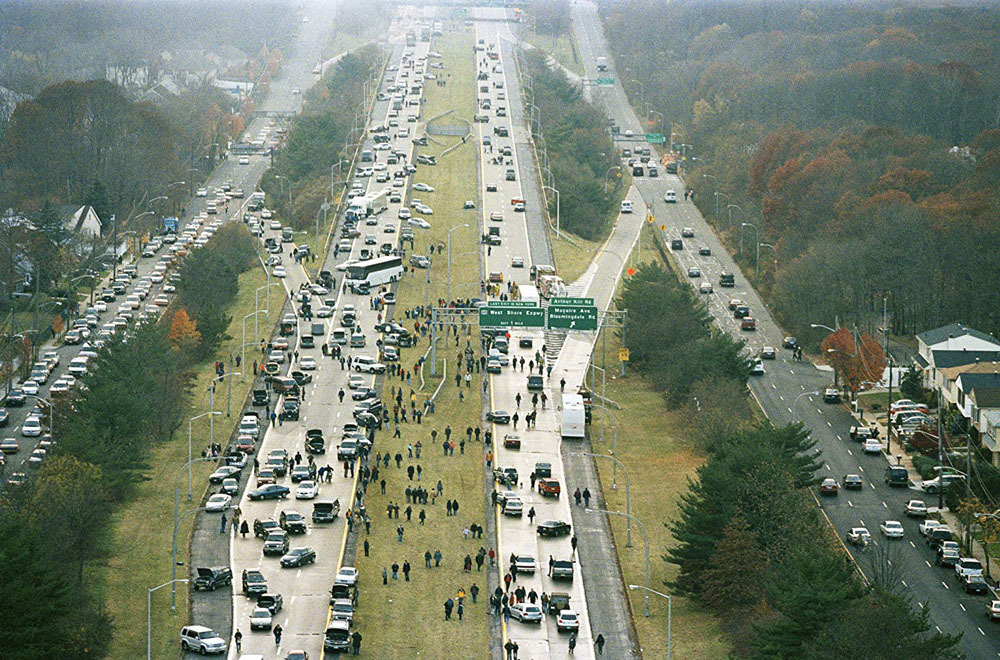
(244,346)
(608,173)
(558,235)
(285,179)
(628,499)
(645,537)
(149,615)
(190,458)
(716,195)
(670,603)
(756,233)
(815,393)
(767,245)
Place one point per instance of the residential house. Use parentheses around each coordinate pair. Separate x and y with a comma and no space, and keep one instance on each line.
(952,346)
(979,403)
(82,222)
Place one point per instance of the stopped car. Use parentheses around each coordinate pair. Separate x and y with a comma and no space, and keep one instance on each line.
(554,528)
(223,472)
(872,446)
(269,492)
(368,364)
(687,232)
(567,621)
(498,416)
(831,395)
(292,522)
(526,612)
(276,543)
(525,564)
(694,272)
(298,557)
(892,529)
(768,353)
(210,579)
(201,639)
(858,536)
(218,503)
(307,490)
(993,610)
(260,619)
(347,575)
(757,368)
(975,584)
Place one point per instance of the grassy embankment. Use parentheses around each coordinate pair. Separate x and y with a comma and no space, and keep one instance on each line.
(562,48)
(386,613)
(139,552)
(653,446)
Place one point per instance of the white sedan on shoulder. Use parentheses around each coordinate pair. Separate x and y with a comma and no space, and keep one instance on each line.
(423,187)
(218,503)
(418,222)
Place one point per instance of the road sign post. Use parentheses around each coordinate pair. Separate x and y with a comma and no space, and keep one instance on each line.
(569,317)
(496,316)
(572,302)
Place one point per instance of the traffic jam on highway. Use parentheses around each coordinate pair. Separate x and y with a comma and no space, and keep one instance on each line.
(130,294)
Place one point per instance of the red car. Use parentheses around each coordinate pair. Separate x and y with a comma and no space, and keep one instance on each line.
(829,486)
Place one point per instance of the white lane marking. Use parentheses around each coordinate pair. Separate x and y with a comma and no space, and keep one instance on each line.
(944,585)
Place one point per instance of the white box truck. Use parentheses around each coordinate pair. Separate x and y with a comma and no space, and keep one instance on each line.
(574,417)
(602,64)
(529,293)
(378,202)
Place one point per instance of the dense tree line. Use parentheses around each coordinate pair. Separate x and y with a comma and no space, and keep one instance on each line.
(579,148)
(210,281)
(550,17)
(832,128)
(130,401)
(49,42)
(752,547)
(671,337)
(317,139)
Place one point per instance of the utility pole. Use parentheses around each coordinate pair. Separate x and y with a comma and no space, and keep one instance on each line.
(114,247)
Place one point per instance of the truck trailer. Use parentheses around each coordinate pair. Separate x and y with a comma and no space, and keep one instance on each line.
(574,417)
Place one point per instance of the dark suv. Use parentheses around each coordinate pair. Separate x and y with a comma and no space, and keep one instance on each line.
(210,579)
(254,583)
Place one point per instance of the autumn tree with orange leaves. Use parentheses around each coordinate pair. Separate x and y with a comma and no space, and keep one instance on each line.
(857,362)
(184,333)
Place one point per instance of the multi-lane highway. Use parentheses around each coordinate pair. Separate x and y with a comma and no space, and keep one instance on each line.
(518,535)
(783,390)
(306,590)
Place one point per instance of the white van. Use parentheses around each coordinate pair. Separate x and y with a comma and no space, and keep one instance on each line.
(574,417)
(249,426)
(626,206)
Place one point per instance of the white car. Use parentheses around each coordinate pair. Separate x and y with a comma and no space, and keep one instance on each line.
(568,620)
(368,364)
(525,564)
(526,612)
(423,187)
(927,526)
(404,214)
(418,222)
(244,160)
(275,225)
(202,192)
(872,446)
(307,363)
(324,312)
(279,271)
(670,197)
(423,208)
(32,427)
(306,490)
(218,503)
(29,387)
(260,619)
(892,529)
(346,575)
(357,382)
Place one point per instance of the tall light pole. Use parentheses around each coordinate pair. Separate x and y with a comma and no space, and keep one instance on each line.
(670,603)
(557,208)
(190,458)
(628,499)
(756,233)
(815,393)
(149,615)
(285,179)
(642,91)
(244,346)
(645,536)
(464,224)
(716,195)
(767,245)
(608,173)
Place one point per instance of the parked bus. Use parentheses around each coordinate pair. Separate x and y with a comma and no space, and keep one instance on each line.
(374,272)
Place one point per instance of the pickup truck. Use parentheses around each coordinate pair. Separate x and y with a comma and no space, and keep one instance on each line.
(861,433)
(968,566)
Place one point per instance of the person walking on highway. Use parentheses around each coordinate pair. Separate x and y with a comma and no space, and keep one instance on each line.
(577,496)
(531,516)
(562,384)
(515,419)
(244,529)
(599,643)
(586,497)
(222,524)
(340,395)
(356,642)
(517,399)
(572,643)
(277,635)
(238,638)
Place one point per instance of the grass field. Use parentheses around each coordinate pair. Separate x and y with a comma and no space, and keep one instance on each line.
(659,460)
(562,48)
(572,259)
(388,614)
(141,532)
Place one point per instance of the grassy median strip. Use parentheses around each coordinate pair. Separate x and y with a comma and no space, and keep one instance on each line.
(139,552)
(387,613)
(562,48)
(659,457)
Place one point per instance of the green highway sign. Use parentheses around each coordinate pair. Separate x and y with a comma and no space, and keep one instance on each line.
(571,318)
(511,303)
(655,138)
(515,317)
(605,82)
(573,302)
